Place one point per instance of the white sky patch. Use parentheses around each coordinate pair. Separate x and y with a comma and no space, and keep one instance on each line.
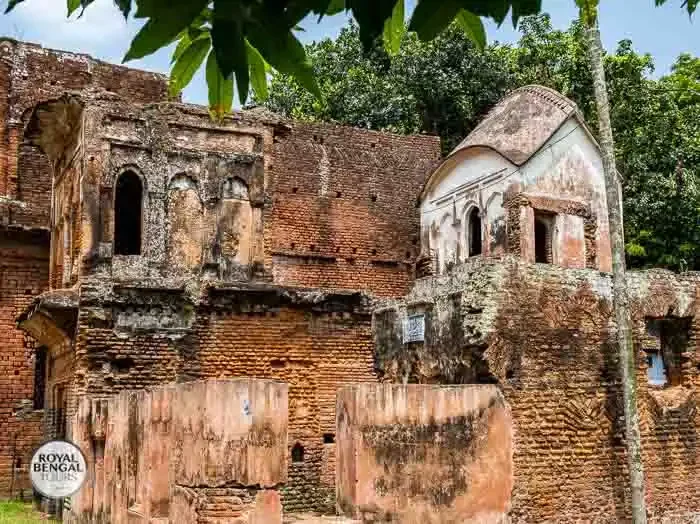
(101,29)
(100,32)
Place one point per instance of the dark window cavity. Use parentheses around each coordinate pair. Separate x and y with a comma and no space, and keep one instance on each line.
(544,223)
(298,453)
(667,340)
(39,377)
(128,204)
(474,233)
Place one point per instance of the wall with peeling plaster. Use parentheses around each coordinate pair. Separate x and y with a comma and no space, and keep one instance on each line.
(565,168)
(31,75)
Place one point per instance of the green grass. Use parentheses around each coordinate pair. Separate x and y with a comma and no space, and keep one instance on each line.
(15,512)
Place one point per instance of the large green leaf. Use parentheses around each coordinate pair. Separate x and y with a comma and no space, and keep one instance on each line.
(472,27)
(523,8)
(124,6)
(11,4)
(281,49)
(230,45)
(394,29)
(187,65)
(432,16)
(164,25)
(335,7)
(690,5)
(371,15)
(258,72)
(72,5)
(220,89)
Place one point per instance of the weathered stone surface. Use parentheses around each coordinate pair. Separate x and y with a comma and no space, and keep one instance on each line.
(31,75)
(412,453)
(253,201)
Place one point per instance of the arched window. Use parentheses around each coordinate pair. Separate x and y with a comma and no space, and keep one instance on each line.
(474,232)
(128,204)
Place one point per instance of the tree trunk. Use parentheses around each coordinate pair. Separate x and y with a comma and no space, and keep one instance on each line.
(626,356)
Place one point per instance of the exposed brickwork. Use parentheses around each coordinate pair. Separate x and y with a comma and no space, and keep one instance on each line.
(314,346)
(547,336)
(361,189)
(31,75)
(23,274)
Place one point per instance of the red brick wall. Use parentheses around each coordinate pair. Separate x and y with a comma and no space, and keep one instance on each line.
(344,212)
(546,335)
(313,351)
(565,397)
(23,274)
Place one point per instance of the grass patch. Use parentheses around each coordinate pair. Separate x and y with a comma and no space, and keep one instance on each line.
(15,512)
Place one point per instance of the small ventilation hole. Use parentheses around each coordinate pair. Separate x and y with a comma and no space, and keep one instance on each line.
(298,453)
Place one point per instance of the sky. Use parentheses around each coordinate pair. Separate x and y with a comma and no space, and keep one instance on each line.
(102,32)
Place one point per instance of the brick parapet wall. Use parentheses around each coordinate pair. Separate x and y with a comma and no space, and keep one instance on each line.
(313,341)
(343,211)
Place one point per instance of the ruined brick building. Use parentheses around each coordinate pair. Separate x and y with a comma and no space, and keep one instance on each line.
(142,244)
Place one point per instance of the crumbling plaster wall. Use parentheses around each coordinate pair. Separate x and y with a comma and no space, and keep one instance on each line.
(420,454)
(190,228)
(546,336)
(566,171)
(206,451)
(30,75)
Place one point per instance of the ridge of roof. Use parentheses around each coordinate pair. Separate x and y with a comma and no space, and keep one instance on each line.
(521,122)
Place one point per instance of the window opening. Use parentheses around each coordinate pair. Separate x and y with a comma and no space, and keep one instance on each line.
(667,340)
(128,204)
(543,238)
(328,438)
(39,377)
(474,233)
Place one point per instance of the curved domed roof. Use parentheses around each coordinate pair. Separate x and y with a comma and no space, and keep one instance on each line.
(520,124)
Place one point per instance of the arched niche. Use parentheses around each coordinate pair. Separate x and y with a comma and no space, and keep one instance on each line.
(473,231)
(235,227)
(185,223)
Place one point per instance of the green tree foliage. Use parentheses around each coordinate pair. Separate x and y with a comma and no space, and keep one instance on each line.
(243,38)
(236,35)
(446,86)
